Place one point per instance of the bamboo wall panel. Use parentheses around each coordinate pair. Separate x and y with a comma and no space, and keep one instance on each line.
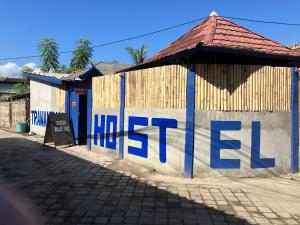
(158,87)
(106,91)
(242,88)
(218,87)
(60,97)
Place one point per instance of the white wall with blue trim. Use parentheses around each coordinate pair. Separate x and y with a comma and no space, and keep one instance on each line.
(242,144)
(105,131)
(234,144)
(154,138)
(43,100)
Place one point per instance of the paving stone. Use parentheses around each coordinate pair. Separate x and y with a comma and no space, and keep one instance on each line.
(239,208)
(264,209)
(116,219)
(251,209)
(276,221)
(292,221)
(101,220)
(284,215)
(262,220)
(270,215)
(72,186)
(87,220)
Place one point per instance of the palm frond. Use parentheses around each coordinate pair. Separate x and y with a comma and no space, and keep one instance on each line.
(138,55)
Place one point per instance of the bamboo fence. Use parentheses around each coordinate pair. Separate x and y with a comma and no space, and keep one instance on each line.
(218,87)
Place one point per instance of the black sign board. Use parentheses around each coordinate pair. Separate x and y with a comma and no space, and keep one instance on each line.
(58,130)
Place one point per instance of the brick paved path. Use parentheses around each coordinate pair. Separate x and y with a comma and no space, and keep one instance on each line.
(72,187)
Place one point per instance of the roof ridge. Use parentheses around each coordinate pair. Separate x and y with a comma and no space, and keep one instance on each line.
(213,29)
(179,38)
(191,30)
(252,32)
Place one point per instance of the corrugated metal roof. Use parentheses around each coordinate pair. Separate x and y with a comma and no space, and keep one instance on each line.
(42,77)
(10,80)
(7,91)
(103,68)
(48,74)
(98,69)
(76,75)
(107,68)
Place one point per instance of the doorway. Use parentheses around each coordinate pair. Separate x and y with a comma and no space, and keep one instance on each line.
(79,109)
(82,120)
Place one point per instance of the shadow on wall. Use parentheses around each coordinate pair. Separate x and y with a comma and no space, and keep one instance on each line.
(202,164)
(235,75)
(68,190)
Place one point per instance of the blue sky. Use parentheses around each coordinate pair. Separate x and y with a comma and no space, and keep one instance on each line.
(24,23)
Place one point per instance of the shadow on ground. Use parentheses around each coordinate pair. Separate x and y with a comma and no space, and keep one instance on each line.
(66,189)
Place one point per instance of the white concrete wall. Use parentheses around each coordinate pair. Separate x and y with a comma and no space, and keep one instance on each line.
(42,99)
(275,143)
(98,148)
(175,140)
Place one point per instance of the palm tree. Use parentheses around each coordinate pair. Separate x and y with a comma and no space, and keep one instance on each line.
(48,49)
(82,54)
(138,55)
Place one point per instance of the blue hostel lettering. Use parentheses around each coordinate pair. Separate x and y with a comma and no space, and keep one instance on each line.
(217,145)
(104,123)
(39,118)
(105,135)
(162,123)
(136,136)
(107,123)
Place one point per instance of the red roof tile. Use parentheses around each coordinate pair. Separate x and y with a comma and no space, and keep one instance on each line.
(217,31)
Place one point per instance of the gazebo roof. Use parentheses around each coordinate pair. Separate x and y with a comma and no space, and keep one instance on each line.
(219,35)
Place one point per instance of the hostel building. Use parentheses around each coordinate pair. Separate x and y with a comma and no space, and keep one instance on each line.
(219,100)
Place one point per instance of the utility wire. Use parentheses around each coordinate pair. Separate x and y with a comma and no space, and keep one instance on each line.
(150,33)
(159,31)
(114,42)
(262,21)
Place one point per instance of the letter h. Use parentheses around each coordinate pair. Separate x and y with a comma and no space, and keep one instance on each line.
(99,130)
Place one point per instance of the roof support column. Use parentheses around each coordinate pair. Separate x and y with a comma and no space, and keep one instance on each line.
(294,120)
(122,114)
(190,122)
(89,114)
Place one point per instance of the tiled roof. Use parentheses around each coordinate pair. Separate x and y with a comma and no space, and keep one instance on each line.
(216,31)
